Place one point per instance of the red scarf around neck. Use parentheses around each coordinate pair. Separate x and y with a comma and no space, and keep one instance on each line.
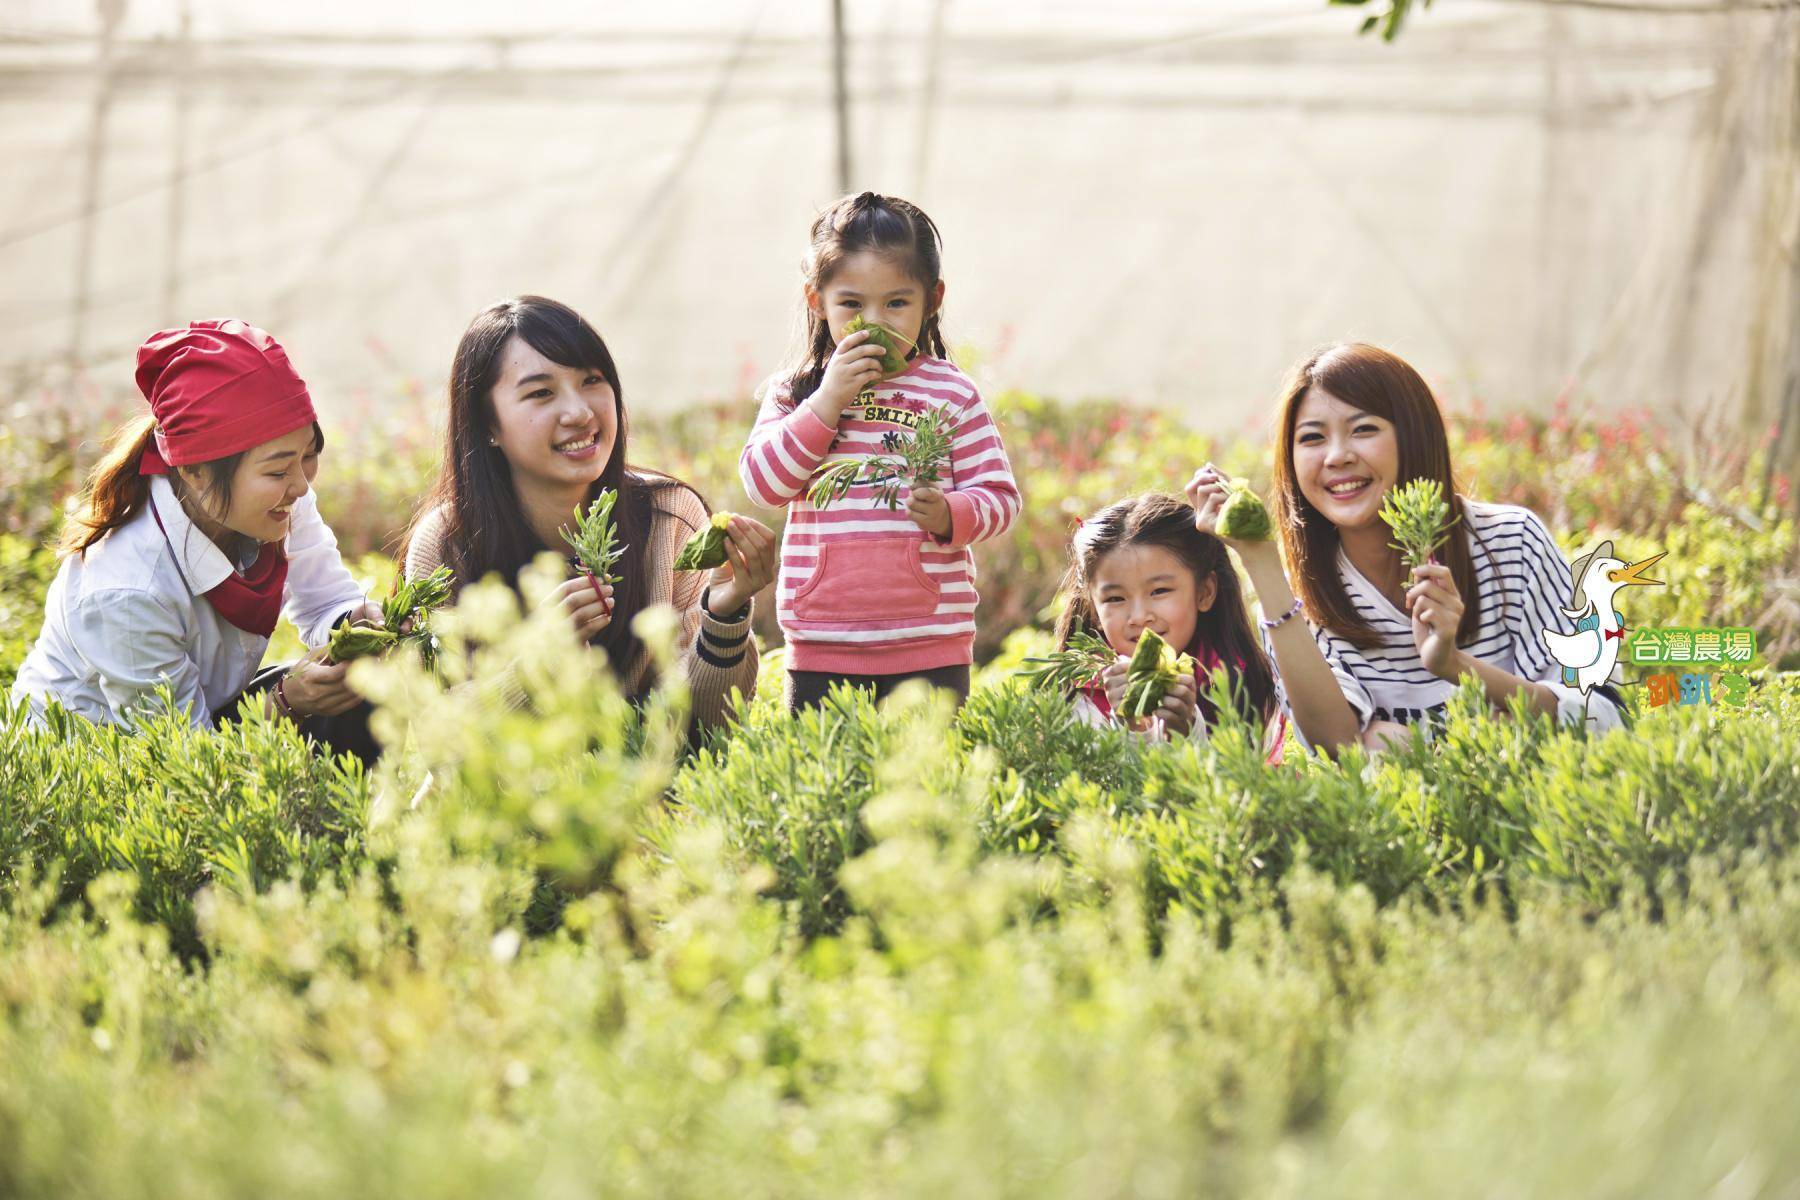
(251,600)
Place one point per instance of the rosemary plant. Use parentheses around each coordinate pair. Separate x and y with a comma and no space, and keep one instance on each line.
(411,600)
(915,459)
(1420,518)
(596,539)
(1074,666)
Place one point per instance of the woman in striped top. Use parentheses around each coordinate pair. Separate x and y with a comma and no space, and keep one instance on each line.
(1383,649)
(875,589)
(538,426)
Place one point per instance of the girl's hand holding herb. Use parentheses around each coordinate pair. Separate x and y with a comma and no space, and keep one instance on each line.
(1437,609)
(929,510)
(1112,681)
(1179,709)
(589,608)
(854,365)
(750,553)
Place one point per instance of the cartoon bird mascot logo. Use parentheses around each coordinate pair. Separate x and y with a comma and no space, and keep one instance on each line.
(1589,655)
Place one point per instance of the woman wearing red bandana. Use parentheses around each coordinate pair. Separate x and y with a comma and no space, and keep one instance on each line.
(196,532)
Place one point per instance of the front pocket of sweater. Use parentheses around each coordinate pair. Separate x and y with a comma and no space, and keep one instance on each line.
(867,579)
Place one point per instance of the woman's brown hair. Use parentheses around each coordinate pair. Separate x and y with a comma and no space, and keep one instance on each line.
(1381,384)
(1158,519)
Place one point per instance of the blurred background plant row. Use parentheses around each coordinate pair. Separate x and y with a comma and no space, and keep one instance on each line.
(1689,487)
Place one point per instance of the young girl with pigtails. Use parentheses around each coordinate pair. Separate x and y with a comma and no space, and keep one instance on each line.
(877,582)
(1140,565)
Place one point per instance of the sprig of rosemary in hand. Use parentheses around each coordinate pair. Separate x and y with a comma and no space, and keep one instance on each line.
(834,482)
(596,540)
(1420,518)
(1075,665)
(915,459)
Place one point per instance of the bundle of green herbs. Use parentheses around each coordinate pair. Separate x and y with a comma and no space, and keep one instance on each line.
(406,620)
(915,459)
(1420,519)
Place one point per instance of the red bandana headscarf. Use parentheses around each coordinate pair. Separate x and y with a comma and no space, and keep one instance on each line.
(219,388)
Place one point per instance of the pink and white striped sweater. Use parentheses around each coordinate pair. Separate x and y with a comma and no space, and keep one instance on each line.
(863,590)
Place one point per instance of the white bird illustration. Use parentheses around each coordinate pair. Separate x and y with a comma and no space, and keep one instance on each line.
(1589,655)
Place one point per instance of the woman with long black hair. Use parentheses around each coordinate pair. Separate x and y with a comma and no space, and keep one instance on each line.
(538,427)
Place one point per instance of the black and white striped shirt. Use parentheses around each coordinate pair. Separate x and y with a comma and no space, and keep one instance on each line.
(1524,582)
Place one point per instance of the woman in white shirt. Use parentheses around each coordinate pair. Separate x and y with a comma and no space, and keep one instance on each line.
(195,533)
(1382,649)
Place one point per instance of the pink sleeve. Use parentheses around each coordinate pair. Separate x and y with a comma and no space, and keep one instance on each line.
(786,446)
(986,499)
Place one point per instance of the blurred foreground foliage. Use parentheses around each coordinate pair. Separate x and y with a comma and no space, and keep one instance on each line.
(891,950)
(903,951)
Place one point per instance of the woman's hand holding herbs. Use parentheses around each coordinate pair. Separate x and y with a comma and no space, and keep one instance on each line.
(1421,520)
(1436,607)
(588,606)
(588,597)
(369,614)
(929,510)
(854,365)
(750,553)
(1209,491)
(315,686)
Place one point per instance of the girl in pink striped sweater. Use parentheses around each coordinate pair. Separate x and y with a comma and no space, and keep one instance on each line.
(877,586)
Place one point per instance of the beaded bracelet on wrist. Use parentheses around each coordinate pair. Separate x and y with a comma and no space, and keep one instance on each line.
(1270,626)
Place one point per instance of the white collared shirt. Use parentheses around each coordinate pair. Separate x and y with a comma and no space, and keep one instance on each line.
(131,613)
